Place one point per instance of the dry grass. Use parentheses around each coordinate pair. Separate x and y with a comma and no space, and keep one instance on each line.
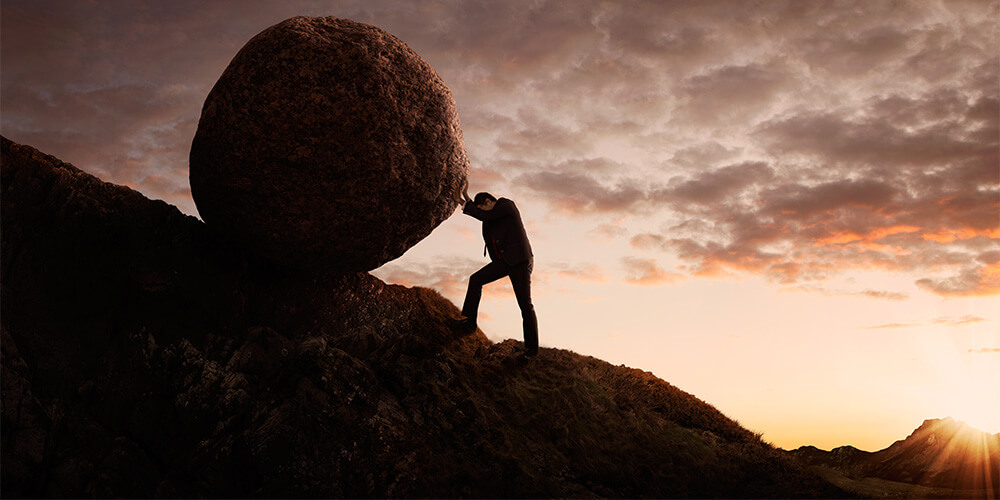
(564,424)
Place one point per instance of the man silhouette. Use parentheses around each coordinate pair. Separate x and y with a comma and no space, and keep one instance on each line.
(510,255)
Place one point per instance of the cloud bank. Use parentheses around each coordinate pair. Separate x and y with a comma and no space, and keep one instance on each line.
(787,140)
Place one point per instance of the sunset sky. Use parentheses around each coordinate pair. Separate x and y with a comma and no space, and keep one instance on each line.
(789,209)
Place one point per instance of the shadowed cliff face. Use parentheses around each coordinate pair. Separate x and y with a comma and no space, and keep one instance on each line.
(143,356)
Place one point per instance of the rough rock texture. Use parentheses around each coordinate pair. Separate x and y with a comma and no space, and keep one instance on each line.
(328,144)
(144,357)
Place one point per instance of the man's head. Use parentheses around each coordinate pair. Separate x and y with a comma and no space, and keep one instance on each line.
(484,201)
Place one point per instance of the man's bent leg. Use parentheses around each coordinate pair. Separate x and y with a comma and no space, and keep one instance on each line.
(520,279)
(488,274)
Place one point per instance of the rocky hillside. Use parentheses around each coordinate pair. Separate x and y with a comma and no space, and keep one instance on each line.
(943,458)
(143,356)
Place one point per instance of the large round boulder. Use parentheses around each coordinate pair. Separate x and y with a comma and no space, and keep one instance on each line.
(328,145)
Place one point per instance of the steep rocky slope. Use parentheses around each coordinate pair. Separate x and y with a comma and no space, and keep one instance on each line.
(144,356)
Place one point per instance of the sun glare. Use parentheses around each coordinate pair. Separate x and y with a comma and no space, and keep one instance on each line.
(964,383)
(963,459)
(981,411)
(983,420)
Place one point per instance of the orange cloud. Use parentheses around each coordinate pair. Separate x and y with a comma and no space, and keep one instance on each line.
(943,321)
(978,281)
(966,233)
(842,237)
(588,273)
(875,294)
(646,272)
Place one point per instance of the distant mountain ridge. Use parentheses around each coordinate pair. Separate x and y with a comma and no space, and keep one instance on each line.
(941,454)
(143,356)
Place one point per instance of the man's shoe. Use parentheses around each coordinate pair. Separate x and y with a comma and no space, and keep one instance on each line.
(464,325)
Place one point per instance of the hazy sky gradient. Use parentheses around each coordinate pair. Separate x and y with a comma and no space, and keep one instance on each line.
(790,209)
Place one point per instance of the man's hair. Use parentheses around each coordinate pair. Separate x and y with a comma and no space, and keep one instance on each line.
(481,197)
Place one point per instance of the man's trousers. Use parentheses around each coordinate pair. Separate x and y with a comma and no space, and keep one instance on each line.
(520,279)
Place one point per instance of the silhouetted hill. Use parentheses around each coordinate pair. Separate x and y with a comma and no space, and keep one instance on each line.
(143,356)
(943,458)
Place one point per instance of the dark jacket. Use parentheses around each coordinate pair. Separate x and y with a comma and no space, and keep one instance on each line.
(503,231)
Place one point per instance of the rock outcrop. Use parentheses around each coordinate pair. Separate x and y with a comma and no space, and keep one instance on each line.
(143,356)
(328,145)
